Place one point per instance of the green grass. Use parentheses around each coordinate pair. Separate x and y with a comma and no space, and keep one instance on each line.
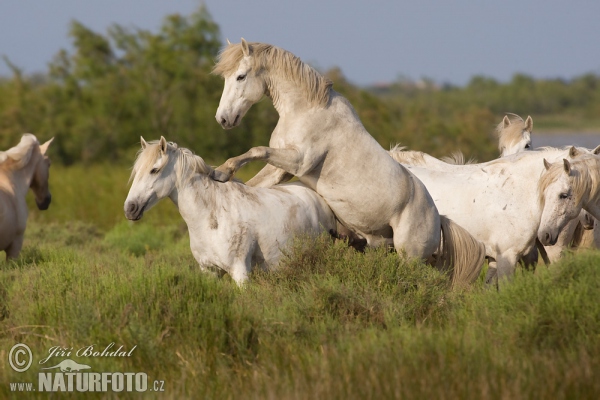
(331,323)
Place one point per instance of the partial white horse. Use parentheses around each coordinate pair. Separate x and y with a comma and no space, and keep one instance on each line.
(575,183)
(497,203)
(232,226)
(579,232)
(23,167)
(514,134)
(320,139)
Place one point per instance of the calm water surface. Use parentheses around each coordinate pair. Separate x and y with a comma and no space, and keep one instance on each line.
(589,140)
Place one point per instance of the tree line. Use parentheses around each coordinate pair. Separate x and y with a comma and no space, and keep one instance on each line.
(111,89)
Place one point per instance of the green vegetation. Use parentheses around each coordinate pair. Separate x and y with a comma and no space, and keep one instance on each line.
(332,323)
(113,88)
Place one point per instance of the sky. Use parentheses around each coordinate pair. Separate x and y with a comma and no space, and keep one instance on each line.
(374,41)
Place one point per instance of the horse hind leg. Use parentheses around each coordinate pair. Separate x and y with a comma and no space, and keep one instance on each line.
(418,238)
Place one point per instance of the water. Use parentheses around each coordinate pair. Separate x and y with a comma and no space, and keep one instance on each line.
(589,140)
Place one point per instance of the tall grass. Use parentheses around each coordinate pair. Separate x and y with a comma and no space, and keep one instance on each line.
(331,323)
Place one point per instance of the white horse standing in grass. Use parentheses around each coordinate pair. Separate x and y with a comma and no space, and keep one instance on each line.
(497,203)
(320,139)
(232,226)
(23,167)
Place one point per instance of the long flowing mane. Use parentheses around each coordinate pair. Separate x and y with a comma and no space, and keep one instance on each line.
(458,158)
(278,62)
(512,133)
(585,176)
(187,162)
(412,157)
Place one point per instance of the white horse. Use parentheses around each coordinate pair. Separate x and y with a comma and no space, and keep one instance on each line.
(320,139)
(498,204)
(576,183)
(232,226)
(514,134)
(23,167)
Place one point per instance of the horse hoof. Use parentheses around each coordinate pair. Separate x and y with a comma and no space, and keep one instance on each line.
(220,176)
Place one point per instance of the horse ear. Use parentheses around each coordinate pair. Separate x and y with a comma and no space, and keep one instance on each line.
(596,151)
(228,42)
(546,164)
(163,144)
(528,124)
(143,143)
(44,147)
(246,49)
(567,165)
(573,152)
(506,121)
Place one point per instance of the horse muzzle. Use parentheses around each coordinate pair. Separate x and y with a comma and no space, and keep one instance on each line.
(548,239)
(133,211)
(44,204)
(228,123)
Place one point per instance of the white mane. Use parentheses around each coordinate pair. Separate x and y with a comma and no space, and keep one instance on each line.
(315,86)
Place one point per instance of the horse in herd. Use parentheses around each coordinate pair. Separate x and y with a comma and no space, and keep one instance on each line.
(450,213)
(22,167)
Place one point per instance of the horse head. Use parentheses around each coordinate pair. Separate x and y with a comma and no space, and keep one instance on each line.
(562,188)
(41,174)
(153,177)
(514,135)
(244,84)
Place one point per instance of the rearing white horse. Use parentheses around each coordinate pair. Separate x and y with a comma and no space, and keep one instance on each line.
(320,139)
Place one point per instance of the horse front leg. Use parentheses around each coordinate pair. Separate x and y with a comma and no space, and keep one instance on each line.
(288,160)
(269,176)
(14,249)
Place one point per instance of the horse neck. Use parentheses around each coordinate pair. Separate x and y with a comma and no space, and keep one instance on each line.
(287,96)
(198,197)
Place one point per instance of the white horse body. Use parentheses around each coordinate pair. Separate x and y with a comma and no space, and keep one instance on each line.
(232,226)
(498,203)
(322,141)
(22,167)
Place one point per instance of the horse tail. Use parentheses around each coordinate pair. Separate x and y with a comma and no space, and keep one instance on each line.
(462,255)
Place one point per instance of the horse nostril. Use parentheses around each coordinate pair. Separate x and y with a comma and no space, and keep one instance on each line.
(547,237)
(131,208)
(223,121)
(237,117)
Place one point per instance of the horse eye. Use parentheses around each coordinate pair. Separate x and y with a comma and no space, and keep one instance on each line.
(563,195)
(528,146)
(241,77)
(154,171)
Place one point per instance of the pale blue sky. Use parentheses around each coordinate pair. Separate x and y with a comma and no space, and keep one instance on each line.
(371,41)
